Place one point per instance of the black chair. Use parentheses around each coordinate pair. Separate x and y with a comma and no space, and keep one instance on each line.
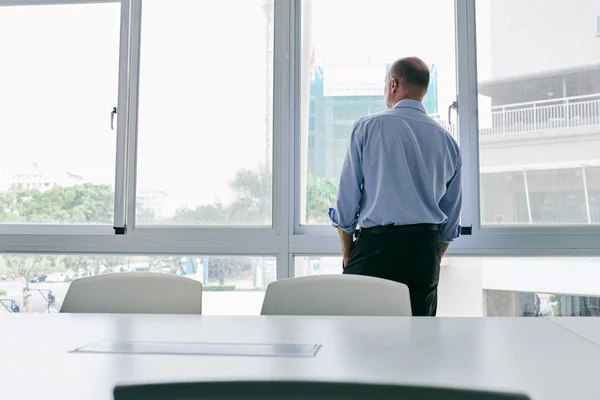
(280,390)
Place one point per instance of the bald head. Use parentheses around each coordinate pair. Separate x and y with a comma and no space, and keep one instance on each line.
(407,78)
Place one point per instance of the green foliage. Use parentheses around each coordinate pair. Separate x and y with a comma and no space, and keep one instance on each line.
(93,204)
(254,202)
(92,263)
(224,267)
(555,303)
(80,204)
(320,196)
(227,288)
(213,214)
(254,197)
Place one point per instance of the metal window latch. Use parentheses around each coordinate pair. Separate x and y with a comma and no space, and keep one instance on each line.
(120,230)
(453,106)
(112,118)
(466,230)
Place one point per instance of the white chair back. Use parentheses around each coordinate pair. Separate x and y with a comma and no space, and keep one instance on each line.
(337,295)
(134,293)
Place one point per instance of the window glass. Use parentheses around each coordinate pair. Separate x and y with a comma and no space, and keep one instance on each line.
(343,74)
(59,83)
(508,287)
(233,285)
(539,118)
(205,113)
(592,177)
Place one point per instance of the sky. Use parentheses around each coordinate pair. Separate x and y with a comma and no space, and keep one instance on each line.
(203,83)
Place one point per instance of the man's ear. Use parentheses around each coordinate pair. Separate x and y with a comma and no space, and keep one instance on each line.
(395,83)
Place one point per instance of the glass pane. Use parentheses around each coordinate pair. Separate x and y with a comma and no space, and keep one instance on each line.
(592,177)
(232,285)
(59,80)
(511,287)
(343,75)
(539,117)
(205,113)
(527,304)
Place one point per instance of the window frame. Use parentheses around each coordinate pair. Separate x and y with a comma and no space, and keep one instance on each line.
(536,240)
(122,109)
(286,237)
(132,149)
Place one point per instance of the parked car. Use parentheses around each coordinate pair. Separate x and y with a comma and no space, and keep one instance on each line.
(56,277)
(39,278)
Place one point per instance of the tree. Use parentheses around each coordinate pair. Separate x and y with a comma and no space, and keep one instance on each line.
(27,266)
(172,262)
(212,214)
(254,190)
(92,263)
(227,267)
(94,204)
(320,196)
(80,204)
(253,206)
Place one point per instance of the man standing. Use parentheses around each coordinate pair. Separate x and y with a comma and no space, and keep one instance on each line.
(401,185)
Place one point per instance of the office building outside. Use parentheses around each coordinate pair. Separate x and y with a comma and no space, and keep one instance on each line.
(539,138)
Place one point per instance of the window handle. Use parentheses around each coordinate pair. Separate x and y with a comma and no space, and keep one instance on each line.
(112,118)
(453,106)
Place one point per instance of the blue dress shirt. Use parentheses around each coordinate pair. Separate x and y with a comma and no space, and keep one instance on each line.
(401,168)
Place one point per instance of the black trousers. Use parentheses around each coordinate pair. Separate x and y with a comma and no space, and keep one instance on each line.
(408,254)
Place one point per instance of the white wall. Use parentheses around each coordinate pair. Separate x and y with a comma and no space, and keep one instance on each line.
(547,147)
(532,36)
(460,291)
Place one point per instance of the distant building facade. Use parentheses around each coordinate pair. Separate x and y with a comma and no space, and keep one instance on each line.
(36,177)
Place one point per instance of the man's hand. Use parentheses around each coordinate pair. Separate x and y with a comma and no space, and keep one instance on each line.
(346,260)
(445,248)
(347,242)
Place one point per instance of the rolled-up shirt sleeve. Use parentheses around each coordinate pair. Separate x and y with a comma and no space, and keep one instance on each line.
(345,213)
(451,205)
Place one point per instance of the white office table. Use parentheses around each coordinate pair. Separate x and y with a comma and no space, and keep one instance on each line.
(587,328)
(535,356)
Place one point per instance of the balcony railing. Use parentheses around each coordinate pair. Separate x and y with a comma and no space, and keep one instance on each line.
(567,112)
(536,116)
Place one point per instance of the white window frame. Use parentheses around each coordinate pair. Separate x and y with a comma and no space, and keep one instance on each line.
(286,237)
(483,241)
(26,230)
(570,240)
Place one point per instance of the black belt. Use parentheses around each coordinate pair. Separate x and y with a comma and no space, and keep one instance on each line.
(386,229)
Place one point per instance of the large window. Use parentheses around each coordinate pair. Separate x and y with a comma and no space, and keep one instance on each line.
(343,72)
(233,285)
(231,120)
(58,80)
(205,113)
(539,117)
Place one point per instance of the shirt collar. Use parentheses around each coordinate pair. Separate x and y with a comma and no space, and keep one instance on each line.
(410,104)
